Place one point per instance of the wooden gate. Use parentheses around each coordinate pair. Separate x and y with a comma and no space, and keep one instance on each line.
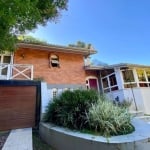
(19,105)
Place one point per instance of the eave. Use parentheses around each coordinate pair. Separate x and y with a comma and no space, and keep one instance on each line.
(121,65)
(64,49)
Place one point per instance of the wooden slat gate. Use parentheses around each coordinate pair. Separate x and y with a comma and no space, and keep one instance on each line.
(19,104)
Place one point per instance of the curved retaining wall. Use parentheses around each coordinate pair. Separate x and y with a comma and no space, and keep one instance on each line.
(65,139)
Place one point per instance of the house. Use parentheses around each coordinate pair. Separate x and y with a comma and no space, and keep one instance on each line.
(124,81)
(58,67)
(62,67)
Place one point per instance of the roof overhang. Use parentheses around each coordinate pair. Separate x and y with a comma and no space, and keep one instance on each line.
(64,49)
(127,65)
(121,65)
(96,68)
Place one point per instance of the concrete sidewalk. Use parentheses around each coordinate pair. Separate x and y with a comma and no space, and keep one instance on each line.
(19,139)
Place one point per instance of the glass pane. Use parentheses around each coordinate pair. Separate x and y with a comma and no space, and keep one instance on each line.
(143,84)
(6,59)
(113,80)
(105,83)
(4,71)
(130,85)
(148,75)
(141,75)
(114,88)
(128,76)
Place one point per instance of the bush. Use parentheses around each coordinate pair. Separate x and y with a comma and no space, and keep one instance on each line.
(124,104)
(85,110)
(107,119)
(70,108)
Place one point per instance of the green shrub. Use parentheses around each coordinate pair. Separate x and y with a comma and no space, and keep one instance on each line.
(126,103)
(107,119)
(85,110)
(70,108)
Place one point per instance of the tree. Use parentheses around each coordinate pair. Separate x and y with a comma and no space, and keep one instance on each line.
(31,40)
(80,44)
(19,16)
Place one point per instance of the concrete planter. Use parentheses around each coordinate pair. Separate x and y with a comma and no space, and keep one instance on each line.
(65,139)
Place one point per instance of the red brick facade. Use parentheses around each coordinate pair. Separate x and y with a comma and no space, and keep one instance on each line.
(71,70)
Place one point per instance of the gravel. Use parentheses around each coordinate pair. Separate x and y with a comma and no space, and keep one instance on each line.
(3,137)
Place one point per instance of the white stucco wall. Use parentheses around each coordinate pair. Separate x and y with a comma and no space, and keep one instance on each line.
(114,94)
(136,96)
(140,96)
(44,96)
(146,99)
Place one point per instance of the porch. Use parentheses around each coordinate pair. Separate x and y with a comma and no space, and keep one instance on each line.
(16,71)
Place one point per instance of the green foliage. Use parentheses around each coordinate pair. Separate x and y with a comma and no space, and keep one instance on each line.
(85,110)
(70,109)
(124,104)
(80,44)
(17,17)
(107,119)
(30,39)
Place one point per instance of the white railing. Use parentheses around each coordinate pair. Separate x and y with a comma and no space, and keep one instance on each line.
(16,72)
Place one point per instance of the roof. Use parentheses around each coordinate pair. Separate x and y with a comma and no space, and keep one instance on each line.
(120,65)
(58,48)
(128,65)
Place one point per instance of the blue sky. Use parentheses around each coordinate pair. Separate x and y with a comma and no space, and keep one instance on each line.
(118,29)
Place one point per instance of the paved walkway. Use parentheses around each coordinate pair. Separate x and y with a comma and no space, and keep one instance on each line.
(19,139)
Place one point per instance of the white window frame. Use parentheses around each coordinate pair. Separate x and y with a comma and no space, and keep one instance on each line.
(145,75)
(54,92)
(128,83)
(109,85)
(136,79)
(2,64)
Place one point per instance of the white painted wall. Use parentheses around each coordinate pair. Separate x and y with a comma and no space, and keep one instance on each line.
(146,99)
(44,97)
(136,96)
(140,95)
(114,94)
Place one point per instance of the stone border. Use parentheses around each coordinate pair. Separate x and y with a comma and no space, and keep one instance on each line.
(65,139)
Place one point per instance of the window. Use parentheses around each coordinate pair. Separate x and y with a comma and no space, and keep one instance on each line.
(54,61)
(55,92)
(141,75)
(113,80)
(129,80)
(128,76)
(5,59)
(105,82)
(148,75)
(142,80)
(109,83)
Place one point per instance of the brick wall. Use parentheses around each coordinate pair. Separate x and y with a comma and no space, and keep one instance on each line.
(71,69)
(92,73)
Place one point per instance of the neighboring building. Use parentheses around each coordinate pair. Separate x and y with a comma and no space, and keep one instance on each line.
(67,68)
(129,82)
